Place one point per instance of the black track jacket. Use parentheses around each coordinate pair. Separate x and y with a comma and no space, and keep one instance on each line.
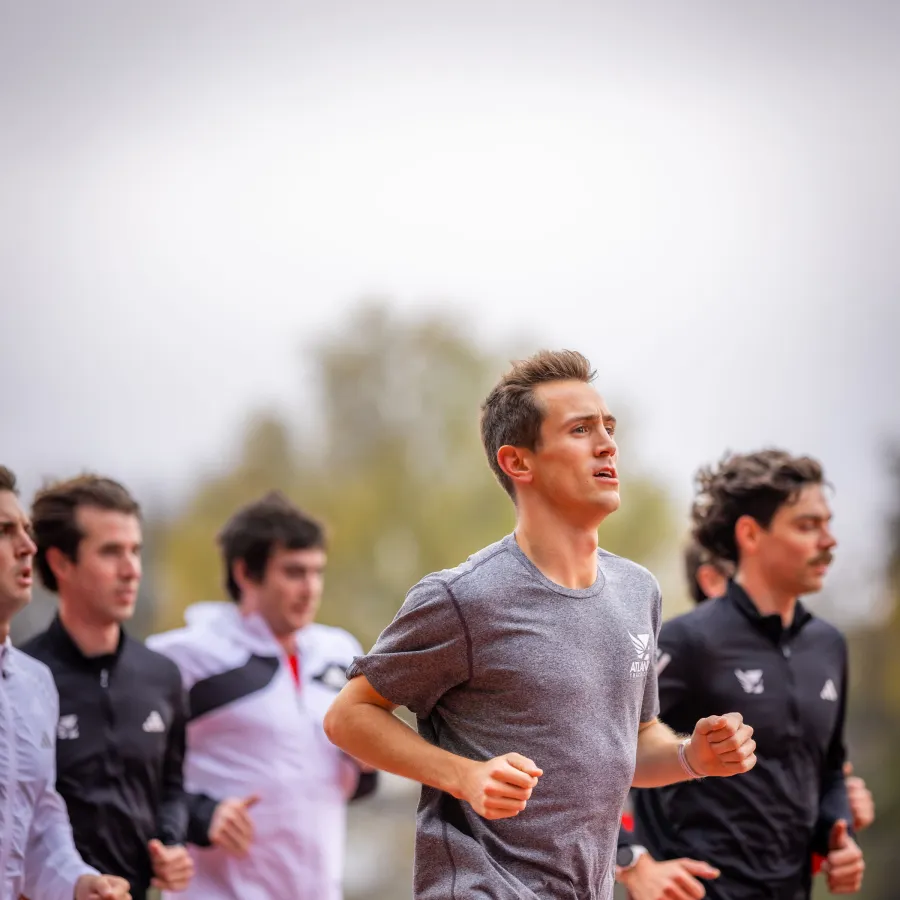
(119,749)
(790,684)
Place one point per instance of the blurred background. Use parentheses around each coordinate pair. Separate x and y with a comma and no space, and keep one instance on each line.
(247,246)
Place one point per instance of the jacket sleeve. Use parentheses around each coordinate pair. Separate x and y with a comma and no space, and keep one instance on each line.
(52,864)
(367,784)
(172,818)
(833,801)
(201,809)
(676,660)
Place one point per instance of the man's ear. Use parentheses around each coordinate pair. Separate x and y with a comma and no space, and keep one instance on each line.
(747,533)
(240,575)
(515,462)
(60,564)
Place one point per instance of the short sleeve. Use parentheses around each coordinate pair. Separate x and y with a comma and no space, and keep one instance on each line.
(650,702)
(424,653)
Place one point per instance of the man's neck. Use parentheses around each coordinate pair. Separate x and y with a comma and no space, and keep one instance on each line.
(768,600)
(4,631)
(92,639)
(288,642)
(564,553)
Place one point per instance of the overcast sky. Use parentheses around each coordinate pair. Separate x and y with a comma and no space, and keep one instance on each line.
(706,200)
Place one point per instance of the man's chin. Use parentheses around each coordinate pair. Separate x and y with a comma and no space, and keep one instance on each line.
(122,614)
(812,585)
(16,599)
(609,502)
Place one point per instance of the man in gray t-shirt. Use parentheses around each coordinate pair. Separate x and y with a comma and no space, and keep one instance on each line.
(493,655)
(539,644)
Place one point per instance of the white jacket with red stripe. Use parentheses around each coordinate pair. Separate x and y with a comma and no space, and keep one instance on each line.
(253,730)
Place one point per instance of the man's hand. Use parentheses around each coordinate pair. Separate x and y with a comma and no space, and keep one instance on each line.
(675,879)
(861,803)
(231,827)
(173,867)
(500,787)
(844,864)
(102,887)
(722,746)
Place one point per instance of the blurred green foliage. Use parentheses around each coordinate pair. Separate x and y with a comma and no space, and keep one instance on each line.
(389,457)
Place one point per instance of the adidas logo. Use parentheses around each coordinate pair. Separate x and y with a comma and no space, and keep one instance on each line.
(662,660)
(751,680)
(829,692)
(46,743)
(154,724)
(641,646)
(67,728)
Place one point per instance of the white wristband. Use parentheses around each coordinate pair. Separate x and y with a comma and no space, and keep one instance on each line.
(682,758)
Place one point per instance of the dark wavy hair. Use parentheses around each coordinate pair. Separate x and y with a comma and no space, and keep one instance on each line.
(746,484)
(695,556)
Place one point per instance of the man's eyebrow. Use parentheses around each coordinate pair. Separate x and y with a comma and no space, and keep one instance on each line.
(607,418)
(24,523)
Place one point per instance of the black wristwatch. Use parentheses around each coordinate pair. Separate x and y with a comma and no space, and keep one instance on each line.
(628,855)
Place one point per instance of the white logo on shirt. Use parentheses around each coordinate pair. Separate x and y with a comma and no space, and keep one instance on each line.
(67,728)
(751,680)
(829,692)
(154,724)
(641,645)
(662,660)
(334,676)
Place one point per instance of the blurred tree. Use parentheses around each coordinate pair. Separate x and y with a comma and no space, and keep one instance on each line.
(390,458)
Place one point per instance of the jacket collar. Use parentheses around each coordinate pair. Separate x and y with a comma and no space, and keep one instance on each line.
(770,625)
(65,646)
(251,630)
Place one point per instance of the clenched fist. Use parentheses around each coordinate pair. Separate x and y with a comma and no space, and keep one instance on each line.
(674,879)
(231,827)
(499,788)
(860,797)
(721,746)
(102,887)
(173,867)
(844,864)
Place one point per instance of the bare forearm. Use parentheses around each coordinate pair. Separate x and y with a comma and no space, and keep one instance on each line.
(376,737)
(657,757)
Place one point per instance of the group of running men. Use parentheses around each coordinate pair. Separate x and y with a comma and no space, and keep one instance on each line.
(217,760)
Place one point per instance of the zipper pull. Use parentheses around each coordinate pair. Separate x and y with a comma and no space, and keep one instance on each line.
(104,678)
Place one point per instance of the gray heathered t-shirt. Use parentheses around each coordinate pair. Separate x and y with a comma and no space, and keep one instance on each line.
(494,658)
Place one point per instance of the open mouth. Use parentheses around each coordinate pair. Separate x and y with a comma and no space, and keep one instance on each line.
(607,475)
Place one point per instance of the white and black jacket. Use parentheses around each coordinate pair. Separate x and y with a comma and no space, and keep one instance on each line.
(253,730)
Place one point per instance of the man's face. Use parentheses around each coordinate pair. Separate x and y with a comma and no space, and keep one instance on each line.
(794,552)
(102,582)
(291,590)
(574,466)
(16,555)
